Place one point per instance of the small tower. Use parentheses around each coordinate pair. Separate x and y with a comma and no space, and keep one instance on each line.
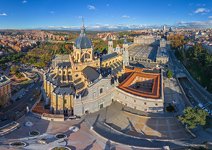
(125,55)
(110,46)
(125,44)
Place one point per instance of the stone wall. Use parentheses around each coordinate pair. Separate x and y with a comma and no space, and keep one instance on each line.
(139,103)
(99,95)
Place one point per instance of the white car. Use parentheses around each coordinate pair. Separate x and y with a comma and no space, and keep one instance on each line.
(42,141)
(200,105)
(73,128)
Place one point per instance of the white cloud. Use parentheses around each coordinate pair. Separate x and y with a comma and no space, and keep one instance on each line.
(3,14)
(91,7)
(125,16)
(196,23)
(79,17)
(24,1)
(210,17)
(201,10)
(100,27)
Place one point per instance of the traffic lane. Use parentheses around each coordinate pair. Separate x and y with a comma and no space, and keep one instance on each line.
(24,101)
(195,89)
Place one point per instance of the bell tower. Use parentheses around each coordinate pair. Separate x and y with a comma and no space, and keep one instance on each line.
(110,46)
(125,54)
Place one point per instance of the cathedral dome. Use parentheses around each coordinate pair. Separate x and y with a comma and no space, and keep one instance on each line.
(83,42)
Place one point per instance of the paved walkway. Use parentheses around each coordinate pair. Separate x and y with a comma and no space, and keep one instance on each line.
(145,127)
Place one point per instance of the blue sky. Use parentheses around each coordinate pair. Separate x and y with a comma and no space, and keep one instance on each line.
(66,13)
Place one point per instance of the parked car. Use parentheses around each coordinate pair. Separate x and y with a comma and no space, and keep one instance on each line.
(42,141)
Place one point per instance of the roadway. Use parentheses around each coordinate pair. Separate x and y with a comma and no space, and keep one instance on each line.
(198,93)
(19,106)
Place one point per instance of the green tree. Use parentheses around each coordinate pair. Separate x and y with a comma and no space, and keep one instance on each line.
(177,40)
(169,74)
(14,69)
(193,117)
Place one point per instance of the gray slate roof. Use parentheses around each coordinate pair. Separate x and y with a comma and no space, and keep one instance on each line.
(90,73)
(108,56)
(83,42)
(64,64)
(67,89)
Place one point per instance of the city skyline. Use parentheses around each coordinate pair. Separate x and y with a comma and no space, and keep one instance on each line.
(103,15)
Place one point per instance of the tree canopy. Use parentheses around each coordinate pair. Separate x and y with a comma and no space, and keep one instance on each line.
(199,63)
(193,117)
(42,55)
(177,40)
(169,74)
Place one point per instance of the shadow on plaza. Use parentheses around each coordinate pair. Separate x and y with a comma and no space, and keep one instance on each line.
(90,146)
(78,125)
(129,135)
(39,125)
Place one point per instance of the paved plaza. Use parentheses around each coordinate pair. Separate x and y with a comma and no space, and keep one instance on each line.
(148,127)
(84,139)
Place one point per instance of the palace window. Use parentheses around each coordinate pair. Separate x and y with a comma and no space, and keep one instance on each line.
(101,90)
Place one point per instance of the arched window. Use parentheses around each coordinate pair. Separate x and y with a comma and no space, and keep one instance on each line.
(87,56)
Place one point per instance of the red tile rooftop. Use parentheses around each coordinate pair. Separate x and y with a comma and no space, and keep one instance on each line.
(137,73)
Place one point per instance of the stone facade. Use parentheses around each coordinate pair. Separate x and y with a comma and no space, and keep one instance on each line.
(100,95)
(139,103)
(146,39)
(79,83)
(147,101)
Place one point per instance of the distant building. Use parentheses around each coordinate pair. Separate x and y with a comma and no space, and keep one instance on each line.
(171,29)
(118,49)
(107,36)
(147,39)
(164,28)
(162,55)
(5,90)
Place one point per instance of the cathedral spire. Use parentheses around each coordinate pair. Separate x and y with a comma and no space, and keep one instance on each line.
(83,27)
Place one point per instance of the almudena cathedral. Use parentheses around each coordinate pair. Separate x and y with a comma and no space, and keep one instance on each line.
(83,83)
